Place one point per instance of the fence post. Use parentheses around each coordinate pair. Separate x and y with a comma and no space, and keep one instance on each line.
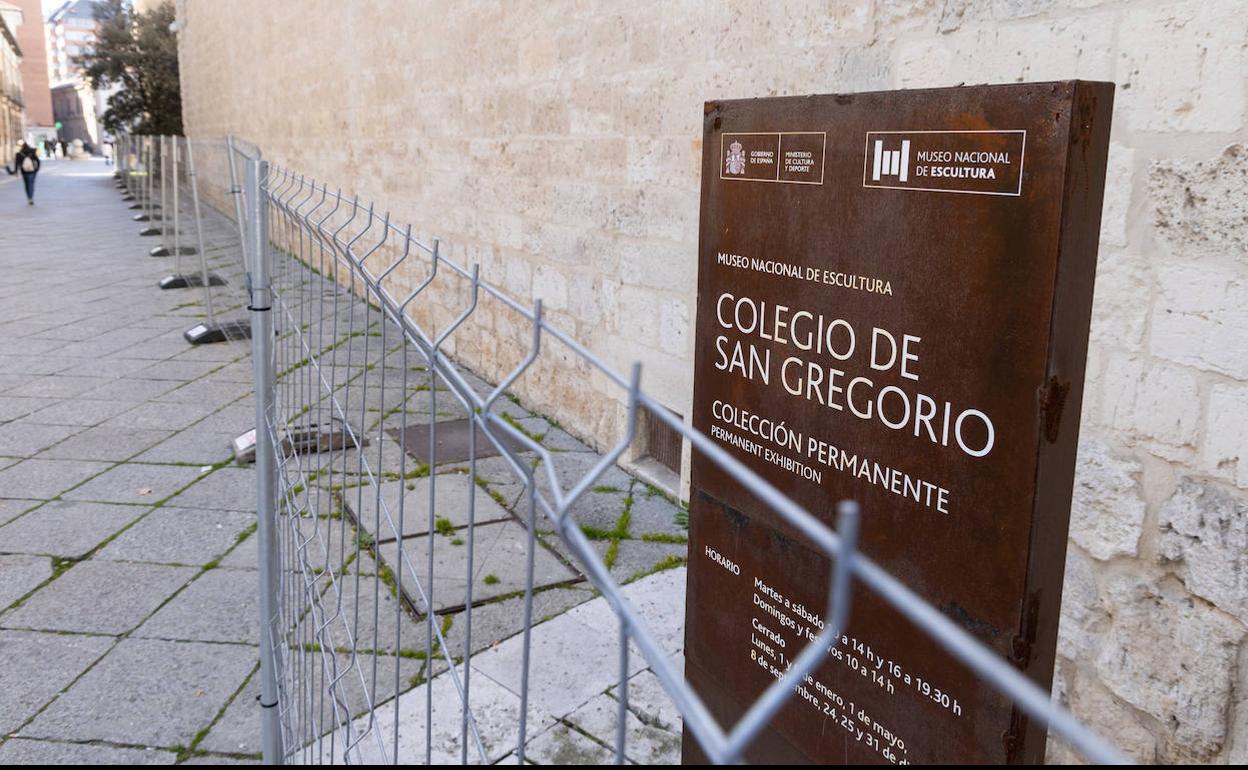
(261,306)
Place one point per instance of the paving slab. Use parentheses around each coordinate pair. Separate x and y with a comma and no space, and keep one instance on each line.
(499,565)
(136,483)
(160,415)
(27,438)
(635,558)
(643,744)
(58,386)
(452,490)
(370,617)
(46,478)
(221,605)
(238,729)
(12,407)
(99,597)
(229,488)
(27,751)
(19,574)
(193,445)
(170,535)
(104,444)
(69,529)
(574,656)
(654,514)
(12,507)
(59,659)
(154,693)
(650,702)
(499,620)
(134,389)
(497,713)
(561,745)
(83,412)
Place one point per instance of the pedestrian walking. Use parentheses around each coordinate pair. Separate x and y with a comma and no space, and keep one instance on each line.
(26,161)
(107,147)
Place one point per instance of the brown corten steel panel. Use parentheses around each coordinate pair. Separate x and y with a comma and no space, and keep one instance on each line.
(968,235)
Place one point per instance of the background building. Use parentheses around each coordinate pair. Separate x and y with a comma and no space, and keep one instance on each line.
(71,31)
(11,97)
(558,143)
(31,37)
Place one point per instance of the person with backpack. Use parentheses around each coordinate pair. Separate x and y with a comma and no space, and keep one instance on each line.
(26,161)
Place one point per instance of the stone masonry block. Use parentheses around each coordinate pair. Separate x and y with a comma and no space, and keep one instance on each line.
(1107,509)
(1200,207)
(1204,532)
(1170,656)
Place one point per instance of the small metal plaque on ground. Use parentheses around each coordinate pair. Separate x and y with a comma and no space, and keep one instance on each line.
(452,438)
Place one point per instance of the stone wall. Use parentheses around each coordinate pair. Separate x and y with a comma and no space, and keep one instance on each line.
(557,144)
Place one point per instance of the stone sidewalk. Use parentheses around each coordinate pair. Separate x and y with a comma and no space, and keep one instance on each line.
(127,581)
(122,637)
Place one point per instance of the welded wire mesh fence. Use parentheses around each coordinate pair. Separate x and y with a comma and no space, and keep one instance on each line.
(412,515)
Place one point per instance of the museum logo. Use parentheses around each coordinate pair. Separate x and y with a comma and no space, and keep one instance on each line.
(986,162)
(891,162)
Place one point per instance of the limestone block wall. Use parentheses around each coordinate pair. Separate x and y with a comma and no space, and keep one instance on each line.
(557,144)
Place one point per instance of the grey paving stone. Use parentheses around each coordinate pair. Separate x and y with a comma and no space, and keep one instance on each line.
(559,440)
(35,667)
(66,528)
(183,371)
(207,391)
(650,703)
(23,438)
(170,535)
(26,751)
(13,407)
(115,366)
(159,415)
(84,412)
(572,467)
(57,386)
(451,490)
(653,514)
(234,419)
(496,708)
(644,744)
(134,389)
(11,508)
(19,574)
(634,558)
(28,364)
(238,729)
(101,597)
(105,444)
(216,759)
(135,483)
(192,445)
(229,488)
(496,621)
(158,693)
(561,745)
(46,478)
(594,511)
(349,617)
(219,606)
(499,565)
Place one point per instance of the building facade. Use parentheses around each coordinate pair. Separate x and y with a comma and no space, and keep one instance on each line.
(12,104)
(31,37)
(557,143)
(71,31)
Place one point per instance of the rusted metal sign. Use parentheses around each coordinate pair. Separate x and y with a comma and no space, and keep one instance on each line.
(894,295)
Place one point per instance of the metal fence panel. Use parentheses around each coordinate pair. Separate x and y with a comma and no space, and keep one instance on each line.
(358,571)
